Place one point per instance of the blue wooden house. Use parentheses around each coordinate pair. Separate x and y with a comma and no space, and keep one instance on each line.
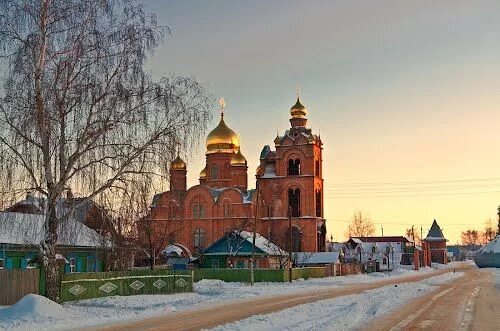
(79,248)
(234,250)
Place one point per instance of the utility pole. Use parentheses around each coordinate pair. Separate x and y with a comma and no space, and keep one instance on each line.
(252,259)
(382,228)
(421,234)
(290,244)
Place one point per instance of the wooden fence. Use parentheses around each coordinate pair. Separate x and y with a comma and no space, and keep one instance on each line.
(77,286)
(16,283)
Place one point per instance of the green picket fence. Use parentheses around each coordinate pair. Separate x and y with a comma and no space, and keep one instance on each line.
(260,275)
(77,286)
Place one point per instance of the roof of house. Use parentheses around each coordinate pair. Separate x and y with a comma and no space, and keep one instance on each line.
(435,233)
(306,258)
(383,239)
(241,244)
(28,229)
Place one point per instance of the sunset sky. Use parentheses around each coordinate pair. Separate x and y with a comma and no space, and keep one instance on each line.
(406,96)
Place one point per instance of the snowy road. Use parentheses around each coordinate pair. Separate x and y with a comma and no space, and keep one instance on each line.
(470,303)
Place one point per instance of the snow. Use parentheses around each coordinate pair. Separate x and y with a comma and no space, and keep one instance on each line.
(305,258)
(28,229)
(115,309)
(31,310)
(492,247)
(261,242)
(344,313)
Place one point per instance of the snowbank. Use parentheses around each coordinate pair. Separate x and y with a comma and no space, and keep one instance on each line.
(31,311)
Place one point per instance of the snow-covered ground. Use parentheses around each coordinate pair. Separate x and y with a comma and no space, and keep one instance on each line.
(348,312)
(114,309)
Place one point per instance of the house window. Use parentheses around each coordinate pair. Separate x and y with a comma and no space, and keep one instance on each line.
(215,264)
(2,263)
(240,264)
(373,249)
(30,264)
(294,201)
(72,264)
(199,239)
(293,167)
(384,261)
(215,172)
(318,203)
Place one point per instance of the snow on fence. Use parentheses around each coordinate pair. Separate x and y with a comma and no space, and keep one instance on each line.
(260,275)
(77,286)
(16,283)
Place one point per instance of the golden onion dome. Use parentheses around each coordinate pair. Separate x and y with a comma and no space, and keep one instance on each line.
(222,139)
(203,173)
(298,110)
(178,164)
(238,159)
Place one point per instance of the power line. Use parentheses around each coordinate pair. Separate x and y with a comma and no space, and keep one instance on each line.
(355,196)
(417,182)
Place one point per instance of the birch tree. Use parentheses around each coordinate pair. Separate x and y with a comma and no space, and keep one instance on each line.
(77,108)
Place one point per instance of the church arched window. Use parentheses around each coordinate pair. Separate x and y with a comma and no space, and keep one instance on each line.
(317,168)
(198,210)
(318,203)
(227,208)
(215,172)
(294,201)
(199,239)
(293,167)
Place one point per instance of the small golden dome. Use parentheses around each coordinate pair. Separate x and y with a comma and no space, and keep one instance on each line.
(238,159)
(222,139)
(178,164)
(298,110)
(203,173)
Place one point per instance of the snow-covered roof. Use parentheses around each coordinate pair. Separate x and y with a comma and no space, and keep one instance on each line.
(489,254)
(28,229)
(262,243)
(173,249)
(492,247)
(305,258)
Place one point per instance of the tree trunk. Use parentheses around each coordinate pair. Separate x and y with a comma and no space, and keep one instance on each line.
(52,279)
(48,252)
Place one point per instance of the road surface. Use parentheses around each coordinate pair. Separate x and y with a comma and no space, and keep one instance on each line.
(471,302)
(428,315)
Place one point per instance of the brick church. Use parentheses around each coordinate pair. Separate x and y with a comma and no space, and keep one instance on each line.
(288,181)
